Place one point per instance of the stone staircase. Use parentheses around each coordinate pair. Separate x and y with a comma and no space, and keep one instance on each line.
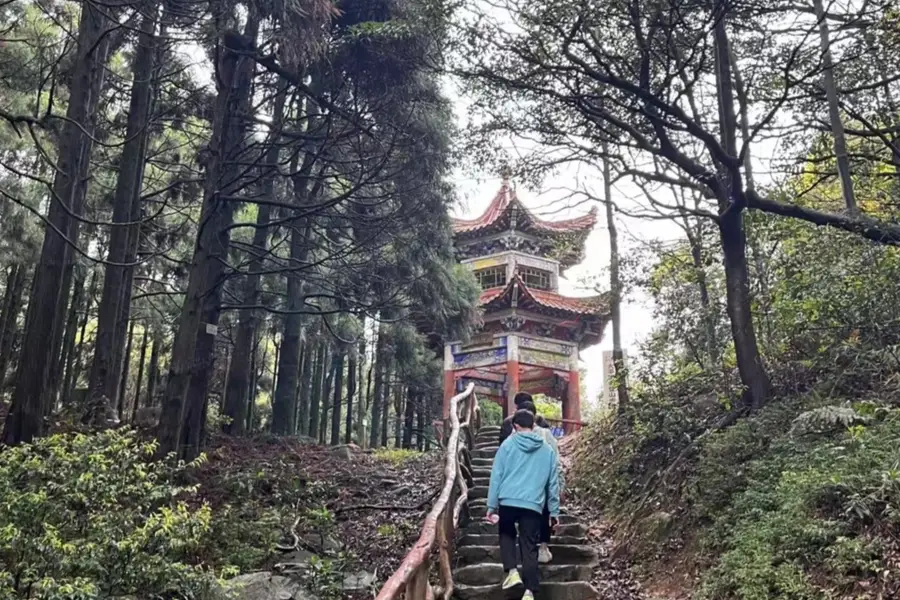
(479,570)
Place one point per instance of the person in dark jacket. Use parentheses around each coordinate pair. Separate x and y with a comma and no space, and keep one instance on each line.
(506,429)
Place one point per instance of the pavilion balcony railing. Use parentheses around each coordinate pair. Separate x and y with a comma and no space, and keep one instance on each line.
(412,580)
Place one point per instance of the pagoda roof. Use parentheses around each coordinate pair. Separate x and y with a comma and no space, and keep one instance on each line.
(505,201)
(526,297)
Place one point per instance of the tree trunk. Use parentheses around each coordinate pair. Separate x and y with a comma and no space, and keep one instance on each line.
(12,306)
(126,369)
(53,384)
(68,354)
(351,392)
(757,386)
(306,362)
(254,382)
(365,396)
(420,421)
(381,359)
(834,110)
(615,287)
(140,374)
(211,250)
(384,411)
(326,396)
(25,420)
(409,418)
(153,372)
(239,378)
(709,318)
(114,310)
(338,394)
(82,335)
(310,425)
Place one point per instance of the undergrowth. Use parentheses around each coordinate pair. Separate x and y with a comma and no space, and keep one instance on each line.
(799,501)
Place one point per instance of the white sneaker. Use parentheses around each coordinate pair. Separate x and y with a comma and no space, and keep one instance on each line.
(544,554)
(528,595)
(513,580)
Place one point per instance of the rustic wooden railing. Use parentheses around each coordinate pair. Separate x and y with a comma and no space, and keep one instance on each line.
(412,580)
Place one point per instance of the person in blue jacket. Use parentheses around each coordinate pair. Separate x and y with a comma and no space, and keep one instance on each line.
(523,479)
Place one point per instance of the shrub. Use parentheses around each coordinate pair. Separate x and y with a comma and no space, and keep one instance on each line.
(815,519)
(94,517)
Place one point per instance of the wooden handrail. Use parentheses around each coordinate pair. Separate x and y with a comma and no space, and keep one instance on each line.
(411,579)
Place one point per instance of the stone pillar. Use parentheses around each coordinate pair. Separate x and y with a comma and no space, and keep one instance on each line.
(512,373)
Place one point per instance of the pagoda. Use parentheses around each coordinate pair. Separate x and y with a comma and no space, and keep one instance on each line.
(531,335)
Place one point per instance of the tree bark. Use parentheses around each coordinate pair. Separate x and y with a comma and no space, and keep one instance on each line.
(409,418)
(26,415)
(381,366)
(68,354)
(126,369)
(420,421)
(365,395)
(12,306)
(310,425)
(211,250)
(338,395)
(615,287)
(351,392)
(834,111)
(82,335)
(757,386)
(153,371)
(326,397)
(114,310)
(384,412)
(306,365)
(140,374)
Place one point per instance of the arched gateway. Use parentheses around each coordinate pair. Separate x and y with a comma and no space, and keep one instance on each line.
(531,335)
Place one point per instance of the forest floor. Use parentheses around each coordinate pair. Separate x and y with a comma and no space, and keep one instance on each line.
(357,512)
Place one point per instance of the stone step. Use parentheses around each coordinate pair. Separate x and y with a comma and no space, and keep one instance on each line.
(483,527)
(492,539)
(486,481)
(484,453)
(478,510)
(480,472)
(482,462)
(487,429)
(492,573)
(479,491)
(562,555)
(574,590)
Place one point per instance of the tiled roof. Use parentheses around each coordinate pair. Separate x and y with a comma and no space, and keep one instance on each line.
(595,305)
(494,211)
(507,196)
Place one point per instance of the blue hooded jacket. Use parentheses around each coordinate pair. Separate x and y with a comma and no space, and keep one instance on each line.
(525,474)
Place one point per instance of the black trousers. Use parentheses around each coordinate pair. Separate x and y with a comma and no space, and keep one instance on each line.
(545,525)
(529,534)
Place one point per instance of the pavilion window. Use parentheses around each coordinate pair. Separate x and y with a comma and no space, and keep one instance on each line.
(492,277)
(535,278)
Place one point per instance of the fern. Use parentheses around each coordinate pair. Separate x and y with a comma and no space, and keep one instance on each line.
(827,419)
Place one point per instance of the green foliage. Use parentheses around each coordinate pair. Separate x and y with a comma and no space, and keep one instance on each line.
(95,517)
(491,413)
(812,511)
